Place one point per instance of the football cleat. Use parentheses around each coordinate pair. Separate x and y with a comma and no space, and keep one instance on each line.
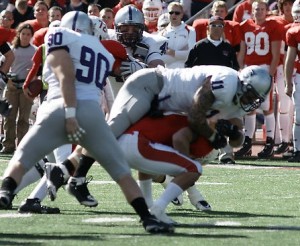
(295,157)
(268,150)
(161,215)
(56,175)
(228,160)
(155,226)
(246,150)
(282,148)
(34,206)
(77,187)
(203,206)
(6,198)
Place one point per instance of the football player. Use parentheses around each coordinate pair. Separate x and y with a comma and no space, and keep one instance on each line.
(152,9)
(76,68)
(144,50)
(260,45)
(292,85)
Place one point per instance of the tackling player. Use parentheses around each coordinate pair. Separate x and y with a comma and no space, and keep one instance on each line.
(76,68)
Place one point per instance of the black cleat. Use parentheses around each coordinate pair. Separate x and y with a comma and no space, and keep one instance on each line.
(155,226)
(6,198)
(282,148)
(295,157)
(77,187)
(268,150)
(246,150)
(34,206)
(227,160)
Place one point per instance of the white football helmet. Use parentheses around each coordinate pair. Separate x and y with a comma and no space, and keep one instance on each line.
(255,84)
(77,21)
(163,21)
(129,16)
(100,28)
(296,11)
(152,9)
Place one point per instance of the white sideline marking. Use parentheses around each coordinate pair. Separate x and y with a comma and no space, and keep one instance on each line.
(99,182)
(10,215)
(227,223)
(108,219)
(237,166)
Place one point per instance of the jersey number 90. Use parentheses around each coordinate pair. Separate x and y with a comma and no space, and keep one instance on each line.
(94,66)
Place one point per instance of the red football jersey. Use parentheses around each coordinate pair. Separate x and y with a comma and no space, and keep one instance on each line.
(258,39)
(161,130)
(293,40)
(242,11)
(285,24)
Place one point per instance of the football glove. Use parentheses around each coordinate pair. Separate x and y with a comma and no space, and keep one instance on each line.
(225,128)
(131,66)
(218,141)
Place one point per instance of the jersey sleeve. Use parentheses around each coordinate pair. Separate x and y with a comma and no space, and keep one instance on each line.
(157,47)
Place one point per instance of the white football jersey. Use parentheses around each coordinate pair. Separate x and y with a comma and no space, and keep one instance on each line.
(92,63)
(181,84)
(157,46)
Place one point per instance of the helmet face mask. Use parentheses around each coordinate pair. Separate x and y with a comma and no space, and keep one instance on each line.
(250,99)
(296,11)
(152,9)
(77,21)
(255,84)
(129,25)
(129,35)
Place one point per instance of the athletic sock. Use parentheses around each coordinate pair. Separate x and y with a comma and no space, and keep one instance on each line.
(171,192)
(146,188)
(69,165)
(9,184)
(140,207)
(85,164)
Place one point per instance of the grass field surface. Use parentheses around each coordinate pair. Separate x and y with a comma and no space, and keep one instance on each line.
(254,203)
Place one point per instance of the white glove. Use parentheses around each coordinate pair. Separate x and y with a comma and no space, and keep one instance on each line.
(131,66)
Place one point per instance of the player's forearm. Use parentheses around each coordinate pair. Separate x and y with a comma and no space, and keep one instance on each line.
(63,68)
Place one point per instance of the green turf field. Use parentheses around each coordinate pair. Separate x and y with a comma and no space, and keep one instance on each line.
(254,203)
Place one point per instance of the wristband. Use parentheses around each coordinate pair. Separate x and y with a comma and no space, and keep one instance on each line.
(212,137)
(70,112)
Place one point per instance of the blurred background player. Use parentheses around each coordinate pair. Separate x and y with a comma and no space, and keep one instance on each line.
(292,82)
(260,45)
(152,9)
